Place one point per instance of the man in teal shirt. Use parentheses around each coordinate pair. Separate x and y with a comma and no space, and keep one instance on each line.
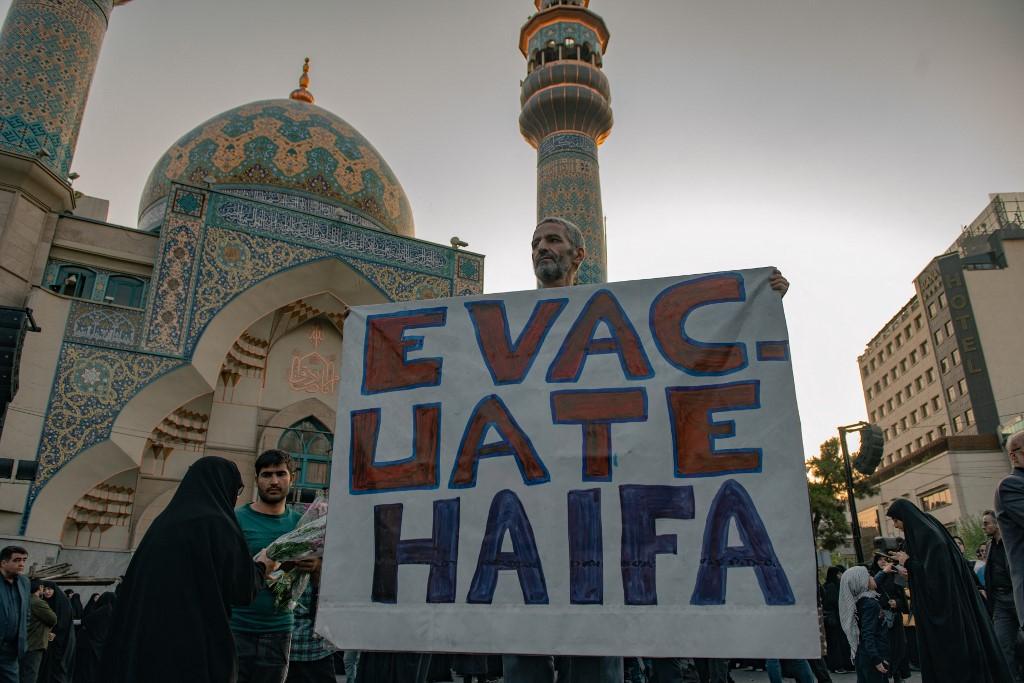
(262,632)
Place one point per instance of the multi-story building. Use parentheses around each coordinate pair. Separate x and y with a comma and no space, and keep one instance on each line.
(945,372)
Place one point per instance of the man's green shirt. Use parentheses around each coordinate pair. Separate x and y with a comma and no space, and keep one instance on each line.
(261,530)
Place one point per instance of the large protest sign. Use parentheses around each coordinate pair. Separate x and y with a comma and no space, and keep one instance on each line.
(594,470)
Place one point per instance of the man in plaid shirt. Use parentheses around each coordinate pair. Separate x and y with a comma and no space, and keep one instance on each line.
(312,658)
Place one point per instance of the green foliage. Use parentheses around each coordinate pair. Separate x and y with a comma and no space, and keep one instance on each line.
(826,485)
(969,528)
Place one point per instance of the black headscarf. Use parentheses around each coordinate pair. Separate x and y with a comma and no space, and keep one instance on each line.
(170,622)
(954,634)
(90,604)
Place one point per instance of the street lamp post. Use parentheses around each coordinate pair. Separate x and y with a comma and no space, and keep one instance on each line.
(854,521)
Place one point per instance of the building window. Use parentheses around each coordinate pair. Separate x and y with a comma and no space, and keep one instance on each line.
(903,366)
(932,310)
(949,328)
(944,365)
(917,322)
(939,336)
(75,281)
(969,416)
(950,394)
(899,397)
(955,356)
(962,384)
(942,299)
(935,402)
(899,340)
(943,430)
(888,405)
(903,424)
(936,498)
(874,416)
(929,436)
(878,387)
(899,452)
(906,391)
(868,393)
(885,380)
(864,371)
(919,383)
(125,291)
(913,417)
(924,348)
(310,444)
(888,349)
(924,410)
(958,424)
(930,375)
(919,442)
(913,357)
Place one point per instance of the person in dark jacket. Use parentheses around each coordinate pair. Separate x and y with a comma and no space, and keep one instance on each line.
(837,648)
(41,620)
(955,640)
(861,616)
(170,623)
(1010,517)
(890,580)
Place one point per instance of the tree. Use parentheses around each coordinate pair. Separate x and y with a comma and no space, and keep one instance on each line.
(826,485)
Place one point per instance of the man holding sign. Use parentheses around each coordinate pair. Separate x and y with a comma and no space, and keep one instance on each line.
(594,469)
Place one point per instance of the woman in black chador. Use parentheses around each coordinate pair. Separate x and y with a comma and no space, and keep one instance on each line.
(170,622)
(954,635)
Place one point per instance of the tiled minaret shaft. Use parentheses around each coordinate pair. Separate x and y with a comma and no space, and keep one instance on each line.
(566,115)
(48,54)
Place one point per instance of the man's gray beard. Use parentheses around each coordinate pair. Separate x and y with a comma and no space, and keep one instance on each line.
(549,270)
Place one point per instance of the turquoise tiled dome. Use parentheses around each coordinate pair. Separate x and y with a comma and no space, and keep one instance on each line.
(287,148)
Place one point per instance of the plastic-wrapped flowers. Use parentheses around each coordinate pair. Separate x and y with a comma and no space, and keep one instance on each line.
(305,541)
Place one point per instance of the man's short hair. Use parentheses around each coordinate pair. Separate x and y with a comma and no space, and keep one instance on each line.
(10,551)
(273,457)
(988,513)
(572,231)
(36,585)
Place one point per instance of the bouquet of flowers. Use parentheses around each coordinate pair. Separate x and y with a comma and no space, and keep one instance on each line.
(303,542)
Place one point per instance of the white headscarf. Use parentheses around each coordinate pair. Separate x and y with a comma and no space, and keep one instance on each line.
(852,587)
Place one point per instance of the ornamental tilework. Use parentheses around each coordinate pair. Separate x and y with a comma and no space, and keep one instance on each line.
(109,326)
(333,236)
(565,143)
(469,267)
(401,285)
(188,202)
(298,202)
(231,263)
(288,145)
(569,186)
(173,274)
(91,387)
(48,54)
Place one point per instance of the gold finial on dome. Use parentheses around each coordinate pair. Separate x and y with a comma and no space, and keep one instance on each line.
(301,93)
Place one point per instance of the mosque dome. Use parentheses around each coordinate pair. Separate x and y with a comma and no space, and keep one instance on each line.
(286,151)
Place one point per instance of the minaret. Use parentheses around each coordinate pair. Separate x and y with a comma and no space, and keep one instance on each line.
(566,115)
(48,55)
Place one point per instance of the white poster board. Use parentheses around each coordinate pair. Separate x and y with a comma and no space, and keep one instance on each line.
(593,470)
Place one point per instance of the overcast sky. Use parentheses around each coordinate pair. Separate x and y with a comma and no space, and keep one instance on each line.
(844,141)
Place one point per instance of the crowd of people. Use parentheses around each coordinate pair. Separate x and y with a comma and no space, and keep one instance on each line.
(194,604)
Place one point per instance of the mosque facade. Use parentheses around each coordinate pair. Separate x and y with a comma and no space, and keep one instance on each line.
(213,327)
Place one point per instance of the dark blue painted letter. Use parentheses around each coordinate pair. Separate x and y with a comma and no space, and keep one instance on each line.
(441,551)
(732,502)
(586,548)
(641,506)
(507,515)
